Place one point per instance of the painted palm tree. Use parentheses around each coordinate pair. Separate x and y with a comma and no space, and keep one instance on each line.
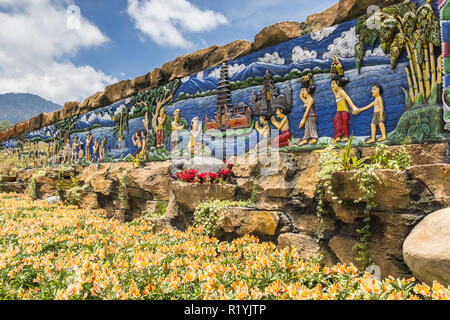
(406,27)
(150,103)
(121,123)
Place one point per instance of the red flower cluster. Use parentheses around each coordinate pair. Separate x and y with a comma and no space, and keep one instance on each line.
(192,175)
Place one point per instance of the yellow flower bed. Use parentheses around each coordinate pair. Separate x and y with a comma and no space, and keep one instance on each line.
(61,252)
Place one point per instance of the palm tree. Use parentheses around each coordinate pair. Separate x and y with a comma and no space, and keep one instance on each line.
(151,101)
(406,27)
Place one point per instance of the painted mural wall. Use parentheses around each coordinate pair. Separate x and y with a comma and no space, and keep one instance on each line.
(373,73)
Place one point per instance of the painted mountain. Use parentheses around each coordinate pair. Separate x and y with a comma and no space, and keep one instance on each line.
(18,107)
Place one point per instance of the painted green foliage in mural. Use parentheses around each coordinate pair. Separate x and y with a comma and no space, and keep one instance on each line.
(416,30)
(63,129)
(121,123)
(149,104)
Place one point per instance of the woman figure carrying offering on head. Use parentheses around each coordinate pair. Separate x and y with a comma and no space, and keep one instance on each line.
(309,120)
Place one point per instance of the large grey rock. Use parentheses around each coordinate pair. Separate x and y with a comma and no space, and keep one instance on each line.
(53,200)
(426,250)
(201,164)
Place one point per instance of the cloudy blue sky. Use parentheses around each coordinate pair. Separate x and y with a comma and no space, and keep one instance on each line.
(46,50)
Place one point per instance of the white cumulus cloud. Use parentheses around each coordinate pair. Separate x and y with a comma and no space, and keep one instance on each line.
(36,46)
(299,54)
(272,58)
(343,46)
(165,21)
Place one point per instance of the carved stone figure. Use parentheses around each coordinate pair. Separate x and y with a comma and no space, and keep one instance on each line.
(75,144)
(101,152)
(195,147)
(137,142)
(309,120)
(342,118)
(81,152)
(263,130)
(176,126)
(66,151)
(95,152)
(88,147)
(283,139)
(160,129)
(379,116)
(144,142)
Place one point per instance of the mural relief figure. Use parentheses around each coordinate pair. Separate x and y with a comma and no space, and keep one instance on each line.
(309,120)
(35,153)
(160,129)
(283,139)
(47,151)
(101,151)
(81,152)
(95,152)
(263,130)
(88,147)
(176,126)
(144,142)
(379,115)
(54,149)
(195,147)
(342,118)
(137,142)
(66,152)
(74,150)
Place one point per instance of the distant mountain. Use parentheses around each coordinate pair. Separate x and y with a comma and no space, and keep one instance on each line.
(18,107)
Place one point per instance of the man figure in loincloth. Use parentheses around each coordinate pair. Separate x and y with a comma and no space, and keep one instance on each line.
(379,115)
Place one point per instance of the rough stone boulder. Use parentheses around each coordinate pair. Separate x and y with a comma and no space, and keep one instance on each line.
(426,250)
(309,224)
(95,101)
(238,222)
(437,179)
(274,34)
(150,182)
(15,187)
(431,153)
(69,109)
(188,196)
(305,245)
(118,91)
(204,59)
(391,191)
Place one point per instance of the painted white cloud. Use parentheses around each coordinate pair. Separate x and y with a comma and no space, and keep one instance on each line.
(377,52)
(232,70)
(185,79)
(167,21)
(299,54)
(272,58)
(324,33)
(200,75)
(119,109)
(343,46)
(36,47)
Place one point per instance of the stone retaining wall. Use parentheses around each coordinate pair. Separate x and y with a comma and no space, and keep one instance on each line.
(285,212)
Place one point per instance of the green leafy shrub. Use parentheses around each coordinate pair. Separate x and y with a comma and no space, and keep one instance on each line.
(419,128)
